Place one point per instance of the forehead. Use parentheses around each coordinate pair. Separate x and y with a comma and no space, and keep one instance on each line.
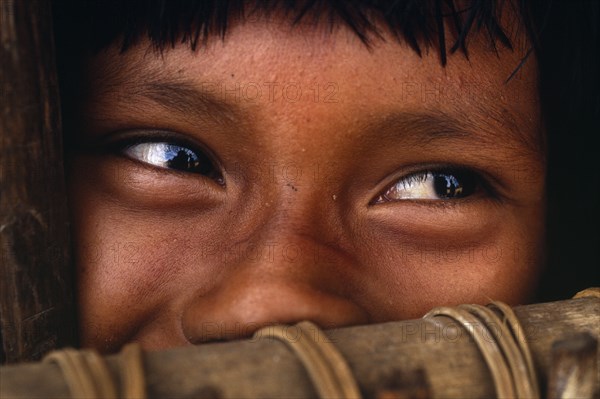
(276,71)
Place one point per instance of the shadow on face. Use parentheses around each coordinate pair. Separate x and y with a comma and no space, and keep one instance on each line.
(283,175)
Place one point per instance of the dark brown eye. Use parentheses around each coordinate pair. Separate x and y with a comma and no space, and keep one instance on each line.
(432,185)
(454,184)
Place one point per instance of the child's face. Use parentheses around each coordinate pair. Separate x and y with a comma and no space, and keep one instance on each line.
(324,181)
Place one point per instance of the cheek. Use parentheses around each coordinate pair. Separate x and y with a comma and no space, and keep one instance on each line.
(119,279)
(410,276)
(128,268)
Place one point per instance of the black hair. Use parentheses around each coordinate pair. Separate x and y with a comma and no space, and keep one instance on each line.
(562,34)
(419,23)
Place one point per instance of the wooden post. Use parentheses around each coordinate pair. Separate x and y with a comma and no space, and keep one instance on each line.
(36,291)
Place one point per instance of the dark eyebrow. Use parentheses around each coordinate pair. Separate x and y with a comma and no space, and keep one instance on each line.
(488,126)
(188,99)
(426,126)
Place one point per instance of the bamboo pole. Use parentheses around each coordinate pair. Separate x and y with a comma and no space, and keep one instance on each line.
(437,352)
(36,305)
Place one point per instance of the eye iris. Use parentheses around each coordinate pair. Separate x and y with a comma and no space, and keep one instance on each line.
(454,185)
(181,159)
(187,160)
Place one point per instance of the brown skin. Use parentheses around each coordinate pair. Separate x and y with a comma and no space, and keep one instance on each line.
(170,258)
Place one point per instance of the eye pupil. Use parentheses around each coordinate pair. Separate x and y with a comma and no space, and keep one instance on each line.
(183,160)
(188,161)
(453,185)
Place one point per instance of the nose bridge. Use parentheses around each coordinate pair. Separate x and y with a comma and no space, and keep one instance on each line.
(284,251)
(285,254)
(296,220)
(297,237)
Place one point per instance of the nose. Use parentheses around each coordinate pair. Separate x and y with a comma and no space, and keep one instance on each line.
(258,292)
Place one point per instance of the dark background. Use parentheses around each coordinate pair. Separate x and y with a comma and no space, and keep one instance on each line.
(570,96)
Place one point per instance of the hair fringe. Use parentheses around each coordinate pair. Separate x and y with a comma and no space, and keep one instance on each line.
(92,25)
